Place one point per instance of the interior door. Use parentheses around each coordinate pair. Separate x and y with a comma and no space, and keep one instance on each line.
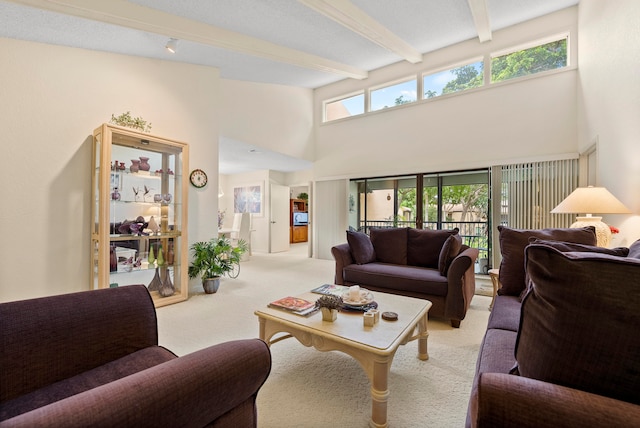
(279,219)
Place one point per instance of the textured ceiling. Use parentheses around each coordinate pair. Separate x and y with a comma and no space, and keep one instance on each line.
(297,30)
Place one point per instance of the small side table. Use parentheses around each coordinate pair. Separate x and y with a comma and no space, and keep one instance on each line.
(495,281)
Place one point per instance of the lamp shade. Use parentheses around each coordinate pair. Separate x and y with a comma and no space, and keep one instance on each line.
(591,200)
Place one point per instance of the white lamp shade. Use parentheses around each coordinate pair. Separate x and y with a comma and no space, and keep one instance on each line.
(591,200)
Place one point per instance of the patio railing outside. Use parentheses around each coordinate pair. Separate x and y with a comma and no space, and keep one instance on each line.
(474,233)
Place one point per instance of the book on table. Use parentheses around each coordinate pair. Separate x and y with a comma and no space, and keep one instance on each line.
(335,289)
(295,305)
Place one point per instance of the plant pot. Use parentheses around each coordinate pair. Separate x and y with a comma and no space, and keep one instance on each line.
(211,285)
(329,314)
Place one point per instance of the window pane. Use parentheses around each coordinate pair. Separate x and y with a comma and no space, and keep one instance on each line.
(455,80)
(394,95)
(345,107)
(529,61)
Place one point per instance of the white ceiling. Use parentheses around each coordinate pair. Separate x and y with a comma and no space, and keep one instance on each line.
(304,43)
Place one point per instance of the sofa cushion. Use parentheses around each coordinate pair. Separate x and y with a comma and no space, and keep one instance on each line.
(398,277)
(505,314)
(424,246)
(390,244)
(579,322)
(513,243)
(634,250)
(120,368)
(449,251)
(361,247)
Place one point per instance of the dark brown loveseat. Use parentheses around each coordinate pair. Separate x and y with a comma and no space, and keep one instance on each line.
(561,347)
(91,359)
(427,264)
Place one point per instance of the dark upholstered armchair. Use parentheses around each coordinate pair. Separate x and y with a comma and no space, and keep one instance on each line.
(92,359)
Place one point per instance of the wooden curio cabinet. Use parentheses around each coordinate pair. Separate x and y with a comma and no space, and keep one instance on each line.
(139,213)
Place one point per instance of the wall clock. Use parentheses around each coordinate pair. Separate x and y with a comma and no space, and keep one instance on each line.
(198,178)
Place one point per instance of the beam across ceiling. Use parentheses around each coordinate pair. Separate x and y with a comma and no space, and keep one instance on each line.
(347,14)
(480,13)
(130,15)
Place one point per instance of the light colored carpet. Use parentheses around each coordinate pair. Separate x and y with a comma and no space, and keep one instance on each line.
(308,388)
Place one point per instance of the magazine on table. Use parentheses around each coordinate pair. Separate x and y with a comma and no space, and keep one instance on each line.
(295,305)
(336,290)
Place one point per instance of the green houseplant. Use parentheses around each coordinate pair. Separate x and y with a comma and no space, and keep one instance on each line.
(214,259)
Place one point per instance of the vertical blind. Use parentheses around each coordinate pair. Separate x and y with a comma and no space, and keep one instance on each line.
(531,190)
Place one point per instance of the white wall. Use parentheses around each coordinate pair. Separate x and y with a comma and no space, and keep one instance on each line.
(512,121)
(52,99)
(609,102)
(275,117)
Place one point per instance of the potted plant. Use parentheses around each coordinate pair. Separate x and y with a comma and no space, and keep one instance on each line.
(214,259)
(329,304)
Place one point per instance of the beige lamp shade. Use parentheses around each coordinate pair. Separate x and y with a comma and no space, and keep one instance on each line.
(592,200)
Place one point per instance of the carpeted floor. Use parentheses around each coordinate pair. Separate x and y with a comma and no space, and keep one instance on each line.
(308,388)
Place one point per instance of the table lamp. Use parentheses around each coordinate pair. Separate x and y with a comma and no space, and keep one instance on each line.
(592,200)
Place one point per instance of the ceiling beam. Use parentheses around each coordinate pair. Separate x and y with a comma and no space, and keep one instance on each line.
(130,15)
(347,14)
(480,13)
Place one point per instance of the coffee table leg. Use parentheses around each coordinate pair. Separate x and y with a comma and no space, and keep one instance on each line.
(423,336)
(380,393)
(263,324)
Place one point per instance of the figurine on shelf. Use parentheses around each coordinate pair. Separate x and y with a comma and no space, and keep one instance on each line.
(128,264)
(146,192)
(170,254)
(151,258)
(135,192)
(115,195)
(144,163)
(135,165)
(160,258)
(153,225)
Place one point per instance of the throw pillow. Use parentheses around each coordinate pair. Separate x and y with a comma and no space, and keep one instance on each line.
(424,246)
(361,247)
(449,251)
(634,250)
(513,243)
(390,244)
(579,322)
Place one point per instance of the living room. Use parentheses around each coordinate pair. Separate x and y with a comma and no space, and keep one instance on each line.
(54,96)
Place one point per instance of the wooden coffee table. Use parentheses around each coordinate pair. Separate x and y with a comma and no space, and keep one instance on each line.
(373,347)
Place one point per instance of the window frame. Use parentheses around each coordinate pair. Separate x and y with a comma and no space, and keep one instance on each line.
(450,67)
(354,94)
(388,85)
(530,45)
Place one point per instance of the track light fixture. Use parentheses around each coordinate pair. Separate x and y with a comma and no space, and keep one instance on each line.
(172,45)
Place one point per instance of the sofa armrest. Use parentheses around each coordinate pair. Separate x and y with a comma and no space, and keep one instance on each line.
(507,401)
(342,255)
(190,391)
(462,284)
